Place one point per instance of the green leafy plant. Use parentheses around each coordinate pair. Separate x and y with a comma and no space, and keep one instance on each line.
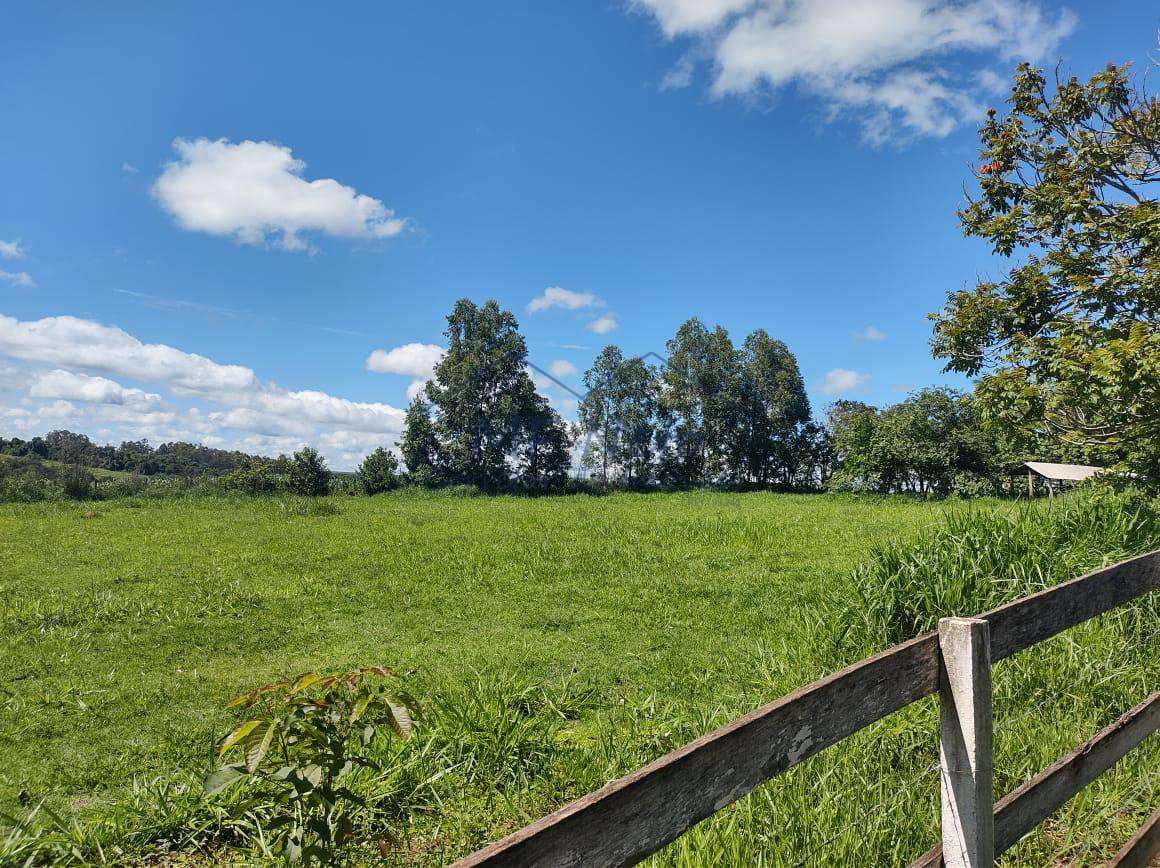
(300,741)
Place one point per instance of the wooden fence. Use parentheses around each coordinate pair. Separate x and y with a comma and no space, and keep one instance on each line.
(637,815)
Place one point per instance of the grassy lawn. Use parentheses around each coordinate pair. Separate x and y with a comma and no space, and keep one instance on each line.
(127,625)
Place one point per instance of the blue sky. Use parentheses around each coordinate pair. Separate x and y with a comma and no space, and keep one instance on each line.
(214,216)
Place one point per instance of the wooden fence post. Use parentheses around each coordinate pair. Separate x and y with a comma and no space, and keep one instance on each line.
(968,828)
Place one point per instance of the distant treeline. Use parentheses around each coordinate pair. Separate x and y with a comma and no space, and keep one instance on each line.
(132,456)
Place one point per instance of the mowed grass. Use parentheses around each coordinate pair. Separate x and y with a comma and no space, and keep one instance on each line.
(125,626)
(559,642)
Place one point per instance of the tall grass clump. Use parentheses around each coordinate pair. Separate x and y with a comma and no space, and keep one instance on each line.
(976,561)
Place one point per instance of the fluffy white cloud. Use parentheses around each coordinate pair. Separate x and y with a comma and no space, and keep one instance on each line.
(259,408)
(129,169)
(688,16)
(881,60)
(255,192)
(840,381)
(78,343)
(11,250)
(18,278)
(563,368)
(603,325)
(566,299)
(412,360)
(91,390)
(870,333)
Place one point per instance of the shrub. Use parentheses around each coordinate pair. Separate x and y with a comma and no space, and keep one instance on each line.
(77,484)
(308,474)
(378,471)
(299,743)
(254,477)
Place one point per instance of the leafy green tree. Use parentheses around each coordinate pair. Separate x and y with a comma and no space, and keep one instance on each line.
(419,446)
(699,396)
(378,471)
(480,393)
(771,407)
(308,474)
(543,451)
(621,409)
(1066,345)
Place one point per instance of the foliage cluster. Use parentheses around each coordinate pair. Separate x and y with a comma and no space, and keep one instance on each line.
(1066,345)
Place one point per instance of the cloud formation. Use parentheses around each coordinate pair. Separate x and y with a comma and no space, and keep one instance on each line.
(260,414)
(412,360)
(603,325)
(255,192)
(70,386)
(870,333)
(11,250)
(840,381)
(882,62)
(18,278)
(565,299)
(563,368)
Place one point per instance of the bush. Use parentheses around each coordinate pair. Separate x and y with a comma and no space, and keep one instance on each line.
(254,477)
(308,474)
(77,484)
(378,471)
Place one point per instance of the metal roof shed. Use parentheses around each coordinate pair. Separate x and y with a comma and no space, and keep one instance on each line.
(1056,473)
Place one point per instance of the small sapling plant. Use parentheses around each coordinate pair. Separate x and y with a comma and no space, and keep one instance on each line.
(301,739)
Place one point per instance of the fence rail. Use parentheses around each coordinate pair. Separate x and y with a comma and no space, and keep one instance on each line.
(640,813)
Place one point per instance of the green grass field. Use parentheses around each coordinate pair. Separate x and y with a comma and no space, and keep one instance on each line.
(644,620)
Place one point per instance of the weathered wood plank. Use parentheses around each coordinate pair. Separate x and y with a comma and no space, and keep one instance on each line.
(1142,846)
(964,698)
(1030,620)
(636,815)
(1023,809)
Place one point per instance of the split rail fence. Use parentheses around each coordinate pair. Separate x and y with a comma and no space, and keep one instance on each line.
(637,815)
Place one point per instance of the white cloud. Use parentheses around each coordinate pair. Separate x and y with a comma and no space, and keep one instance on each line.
(870,333)
(255,192)
(688,16)
(18,278)
(603,325)
(92,390)
(563,368)
(566,299)
(78,343)
(840,381)
(881,61)
(412,360)
(250,404)
(129,169)
(11,250)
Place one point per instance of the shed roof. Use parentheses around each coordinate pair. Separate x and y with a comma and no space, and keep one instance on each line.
(1070,472)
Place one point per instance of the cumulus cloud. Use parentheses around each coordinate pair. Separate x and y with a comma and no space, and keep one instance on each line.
(870,333)
(566,299)
(603,325)
(840,381)
(93,390)
(11,250)
(255,192)
(18,278)
(412,360)
(563,368)
(79,343)
(129,169)
(248,404)
(880,61)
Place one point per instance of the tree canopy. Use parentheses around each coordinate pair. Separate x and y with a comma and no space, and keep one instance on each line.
(1066,345)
